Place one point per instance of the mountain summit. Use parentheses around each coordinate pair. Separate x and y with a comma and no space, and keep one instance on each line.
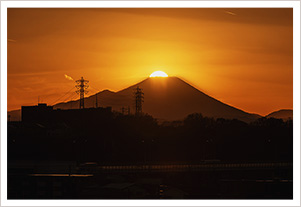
(165,98)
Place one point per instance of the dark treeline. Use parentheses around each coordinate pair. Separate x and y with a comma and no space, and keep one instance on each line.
(129,139)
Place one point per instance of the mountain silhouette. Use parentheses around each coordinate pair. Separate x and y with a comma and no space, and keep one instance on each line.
(165,98)
(284,114)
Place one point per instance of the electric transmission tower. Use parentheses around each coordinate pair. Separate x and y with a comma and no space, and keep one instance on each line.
(139,96)
(82,86)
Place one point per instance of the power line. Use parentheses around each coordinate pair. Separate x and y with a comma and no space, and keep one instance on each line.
(62,96)
(96,98)
(73,96)
(69,97)
(71,101)
(95,89)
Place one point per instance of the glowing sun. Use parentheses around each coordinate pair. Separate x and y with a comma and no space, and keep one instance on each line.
(158,74)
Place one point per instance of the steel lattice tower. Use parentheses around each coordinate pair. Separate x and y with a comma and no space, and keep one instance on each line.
(139,97)
(82,86)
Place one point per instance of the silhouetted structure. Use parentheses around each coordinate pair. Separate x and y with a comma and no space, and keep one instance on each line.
(111,155)
(96,103)
(46,114)
(139,96)
(38,113)
(82,86)
(126,111)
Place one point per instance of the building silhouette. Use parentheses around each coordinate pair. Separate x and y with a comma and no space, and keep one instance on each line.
(42,113)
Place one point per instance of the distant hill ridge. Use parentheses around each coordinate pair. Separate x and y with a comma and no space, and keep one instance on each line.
(284,114)
(166,99)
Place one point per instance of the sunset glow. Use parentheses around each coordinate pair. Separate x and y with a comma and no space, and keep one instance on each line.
(158,74)
(245,60)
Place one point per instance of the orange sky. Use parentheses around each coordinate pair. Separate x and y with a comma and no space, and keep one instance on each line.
(242,57)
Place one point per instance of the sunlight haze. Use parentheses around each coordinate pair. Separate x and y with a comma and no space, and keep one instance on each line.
(242,57)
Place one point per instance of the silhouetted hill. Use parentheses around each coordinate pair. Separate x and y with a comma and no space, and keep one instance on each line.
(284,114)
(165,98)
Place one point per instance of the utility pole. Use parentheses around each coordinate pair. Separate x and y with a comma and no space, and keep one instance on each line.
(139,96)
(125,111)
(82,86)
(129,110)
(122,110)
(96,104)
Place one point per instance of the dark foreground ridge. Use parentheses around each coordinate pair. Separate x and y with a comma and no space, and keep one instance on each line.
(200,181)
(97,153)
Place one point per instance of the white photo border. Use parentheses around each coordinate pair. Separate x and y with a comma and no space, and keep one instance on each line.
(153,4)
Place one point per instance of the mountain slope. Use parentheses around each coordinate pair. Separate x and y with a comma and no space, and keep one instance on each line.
(165,98)
(284,114)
